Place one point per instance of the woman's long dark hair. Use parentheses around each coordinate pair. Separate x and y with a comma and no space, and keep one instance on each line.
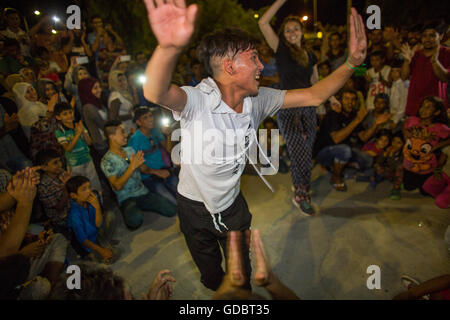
(438,105)
(299,55)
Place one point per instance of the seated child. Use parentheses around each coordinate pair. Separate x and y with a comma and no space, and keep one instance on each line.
(389,166)
(75,139)
(51,190)
(93,228)
(376,147)
(425,136)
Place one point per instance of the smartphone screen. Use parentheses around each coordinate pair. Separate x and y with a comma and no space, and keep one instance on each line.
(82,60)
(125,58)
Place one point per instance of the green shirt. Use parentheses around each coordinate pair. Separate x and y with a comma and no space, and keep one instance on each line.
(80,152)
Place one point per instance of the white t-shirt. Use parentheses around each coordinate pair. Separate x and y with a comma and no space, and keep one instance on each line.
(398,97)
(376,86)
(211,174)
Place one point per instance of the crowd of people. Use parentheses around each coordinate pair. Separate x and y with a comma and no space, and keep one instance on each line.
(76,129)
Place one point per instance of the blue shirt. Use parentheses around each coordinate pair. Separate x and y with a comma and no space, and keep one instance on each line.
(82,222)
(149,145)
(114,165)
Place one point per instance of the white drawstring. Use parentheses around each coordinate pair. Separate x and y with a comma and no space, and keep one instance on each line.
(220,222)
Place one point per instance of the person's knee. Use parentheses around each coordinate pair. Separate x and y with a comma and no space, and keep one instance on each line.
(343,153)
(133,217)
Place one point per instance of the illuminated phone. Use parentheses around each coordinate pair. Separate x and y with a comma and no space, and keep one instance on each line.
(82,60)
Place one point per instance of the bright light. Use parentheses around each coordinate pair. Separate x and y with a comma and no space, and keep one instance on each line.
(37,13)
(142,79)
(256,16)
(305,18)
(54,31)
(55,18)
(165,122)
(319,35)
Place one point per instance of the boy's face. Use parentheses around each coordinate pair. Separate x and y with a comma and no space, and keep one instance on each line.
(324,70)
(380,105)
(247,70)
(376,62)
(382,142)
(66,116)
(430,39)
(83,192)
(348,102)
(397,143)
(395,72)
(13,20)
(54,166)
(31,94)
(145,121)
(120,136)
(82,74)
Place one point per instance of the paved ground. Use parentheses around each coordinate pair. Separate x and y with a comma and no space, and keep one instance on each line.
(324,257)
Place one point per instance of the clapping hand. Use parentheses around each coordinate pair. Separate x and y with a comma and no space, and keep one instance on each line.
(137,159)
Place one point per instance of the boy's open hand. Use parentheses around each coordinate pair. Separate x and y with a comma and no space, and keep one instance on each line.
(136,160)
(171,22)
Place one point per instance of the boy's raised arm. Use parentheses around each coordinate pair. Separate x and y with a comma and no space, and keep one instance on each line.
(173,25)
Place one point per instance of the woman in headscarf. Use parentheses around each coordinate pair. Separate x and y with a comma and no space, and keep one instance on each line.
(30,109)
(74,74)
(94,113)
(120,102)
(28,75)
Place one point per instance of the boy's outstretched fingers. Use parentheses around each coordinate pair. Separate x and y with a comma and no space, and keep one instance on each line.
(262,271)
(234,262)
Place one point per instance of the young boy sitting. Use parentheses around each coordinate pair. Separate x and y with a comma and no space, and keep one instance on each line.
(389,166)
(92,227)
(75,139)
(51,190)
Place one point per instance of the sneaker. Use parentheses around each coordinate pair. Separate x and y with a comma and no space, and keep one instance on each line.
(396,194)
(304,207)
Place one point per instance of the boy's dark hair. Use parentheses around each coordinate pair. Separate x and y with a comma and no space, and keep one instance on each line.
(378,53)
(10,11)
(438,105)
(438,25)
(95,16)
(44,156)
(221,43)
(140,111)
(74,183)
(385,97)
(97,283)
(384,132)
(324,63)
(40,51)
(194,62)
(397,63)
(346,90)
(60,107)
(399,135)
(110,127)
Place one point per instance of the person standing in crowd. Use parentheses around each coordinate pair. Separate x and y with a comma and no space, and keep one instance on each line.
(298,125)
(209,198)
(120,101)
(94,113)
(429,68)
(377,78)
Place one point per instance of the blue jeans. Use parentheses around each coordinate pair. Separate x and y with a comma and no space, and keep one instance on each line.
(132,208)
(166,188)
(342,153)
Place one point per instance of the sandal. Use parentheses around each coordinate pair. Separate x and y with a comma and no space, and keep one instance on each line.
(341,187)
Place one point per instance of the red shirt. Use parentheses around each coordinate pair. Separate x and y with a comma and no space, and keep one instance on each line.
(424,82)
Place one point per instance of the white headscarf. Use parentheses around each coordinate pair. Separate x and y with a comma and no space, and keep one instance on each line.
(28,111)
(113,81)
